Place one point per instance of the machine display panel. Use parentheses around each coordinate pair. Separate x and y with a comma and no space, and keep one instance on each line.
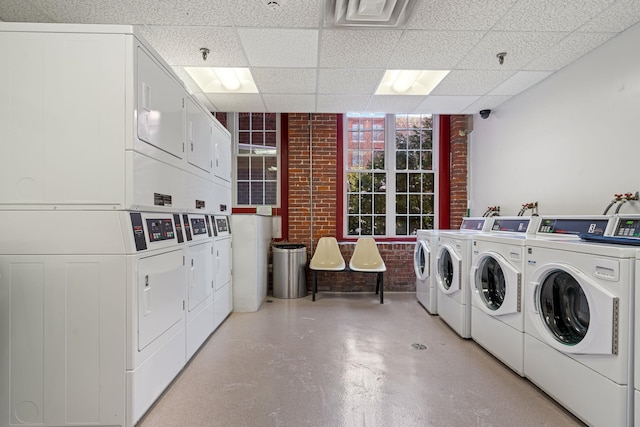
(198,226)
(628,227)
(221,225)
(472,224)
(513,225)
(160,229)
(578,226)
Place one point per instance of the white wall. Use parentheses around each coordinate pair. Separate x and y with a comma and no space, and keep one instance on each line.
(570,143)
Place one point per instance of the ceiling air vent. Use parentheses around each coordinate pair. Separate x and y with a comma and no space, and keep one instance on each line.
(368,13)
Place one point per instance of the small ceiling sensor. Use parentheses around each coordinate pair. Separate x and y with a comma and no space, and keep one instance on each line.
(500,57)
(205,53)
(274,4)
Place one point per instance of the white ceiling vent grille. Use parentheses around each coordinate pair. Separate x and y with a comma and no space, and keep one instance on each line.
(368,13)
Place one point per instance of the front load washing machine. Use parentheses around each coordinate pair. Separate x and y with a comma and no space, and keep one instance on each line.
(497,318)
(223,293)
(578,326)
(452,273)
(425,255)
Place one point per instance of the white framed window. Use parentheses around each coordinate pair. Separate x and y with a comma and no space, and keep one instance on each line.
(257,170)
(390,174)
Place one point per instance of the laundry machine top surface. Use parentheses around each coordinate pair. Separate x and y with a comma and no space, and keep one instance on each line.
(571,226)
(584,247)
(515,224)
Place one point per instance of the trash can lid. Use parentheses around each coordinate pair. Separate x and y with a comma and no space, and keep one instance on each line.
(288,245)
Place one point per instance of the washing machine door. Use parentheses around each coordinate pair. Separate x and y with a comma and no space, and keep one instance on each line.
(449,270)
(496,284)
(571,312)
(422,260)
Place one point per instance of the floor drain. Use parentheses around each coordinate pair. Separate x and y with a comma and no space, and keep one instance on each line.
(419,346)
(269,300)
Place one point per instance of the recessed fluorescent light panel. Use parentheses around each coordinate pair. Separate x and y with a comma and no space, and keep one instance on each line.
(410,82)
(223,79)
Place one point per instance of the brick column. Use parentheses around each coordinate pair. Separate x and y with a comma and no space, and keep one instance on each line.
(458,189)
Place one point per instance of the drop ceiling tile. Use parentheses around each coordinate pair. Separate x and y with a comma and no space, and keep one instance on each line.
(22,11)
(347,80)
(89,11)
(293,14)
(521,49)
(342,103)
(290,103)
(471,82)
(205,101)
(432,50)
(183,12)
(280,47)
(458,15)
(285,80)
(357,48)
(550,15)
(486,103)
(520,81)
(618,17)
(241,102)
(394,103)
(446,104)
(568,50)
(181,45)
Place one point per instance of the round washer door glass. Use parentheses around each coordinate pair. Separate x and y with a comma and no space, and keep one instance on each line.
(491,283)
(420,260)
(445,269)
(564,307)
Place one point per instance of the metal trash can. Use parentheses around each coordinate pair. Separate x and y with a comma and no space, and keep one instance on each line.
(289,275)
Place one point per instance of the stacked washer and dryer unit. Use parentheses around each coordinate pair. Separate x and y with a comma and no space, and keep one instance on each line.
(579,321)
(106,200)
(450,282)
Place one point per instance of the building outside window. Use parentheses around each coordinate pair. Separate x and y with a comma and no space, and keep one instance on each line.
(389,174)
(257,136)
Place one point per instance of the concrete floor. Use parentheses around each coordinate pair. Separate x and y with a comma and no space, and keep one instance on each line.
(346,360)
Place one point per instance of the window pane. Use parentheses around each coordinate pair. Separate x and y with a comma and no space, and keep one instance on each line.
(379,204)
(401,160)
(427,182)
(401,140)
(366,182)
(354,204)
(244,121)
(401,182)
(380,226)
(243,168)
(413,160)
(427,204)
(414,203)
(366,201)
(427,222)
(414,224)
(427,139)
(257,193)
(257,169)
(427,160)
(401,203)
(270,193)
(401,226)
(414,182)
(257,138)
(379,182)
(353,225)
(271,168)
(270,139)
(378,160)
(257,121)
(354,182)
(366,225)
(243,193)
(244,139)
(270,121)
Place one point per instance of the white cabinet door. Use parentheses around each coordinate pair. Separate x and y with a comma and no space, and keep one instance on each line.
(159,107)
(222,141)
(199,137)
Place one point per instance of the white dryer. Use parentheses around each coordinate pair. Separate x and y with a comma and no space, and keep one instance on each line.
(578,326)
(425,255)
(497,269)
(452,273)
(223,293)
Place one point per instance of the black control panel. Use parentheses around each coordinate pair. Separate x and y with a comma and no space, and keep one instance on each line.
(160,229)
(472,224)
(222,225)
(187,227)
(573,226)
(628,227)
(138,231)
(179,233)
(513,225)
(198,226)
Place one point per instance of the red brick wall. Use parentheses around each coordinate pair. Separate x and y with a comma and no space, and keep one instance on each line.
(458,190)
